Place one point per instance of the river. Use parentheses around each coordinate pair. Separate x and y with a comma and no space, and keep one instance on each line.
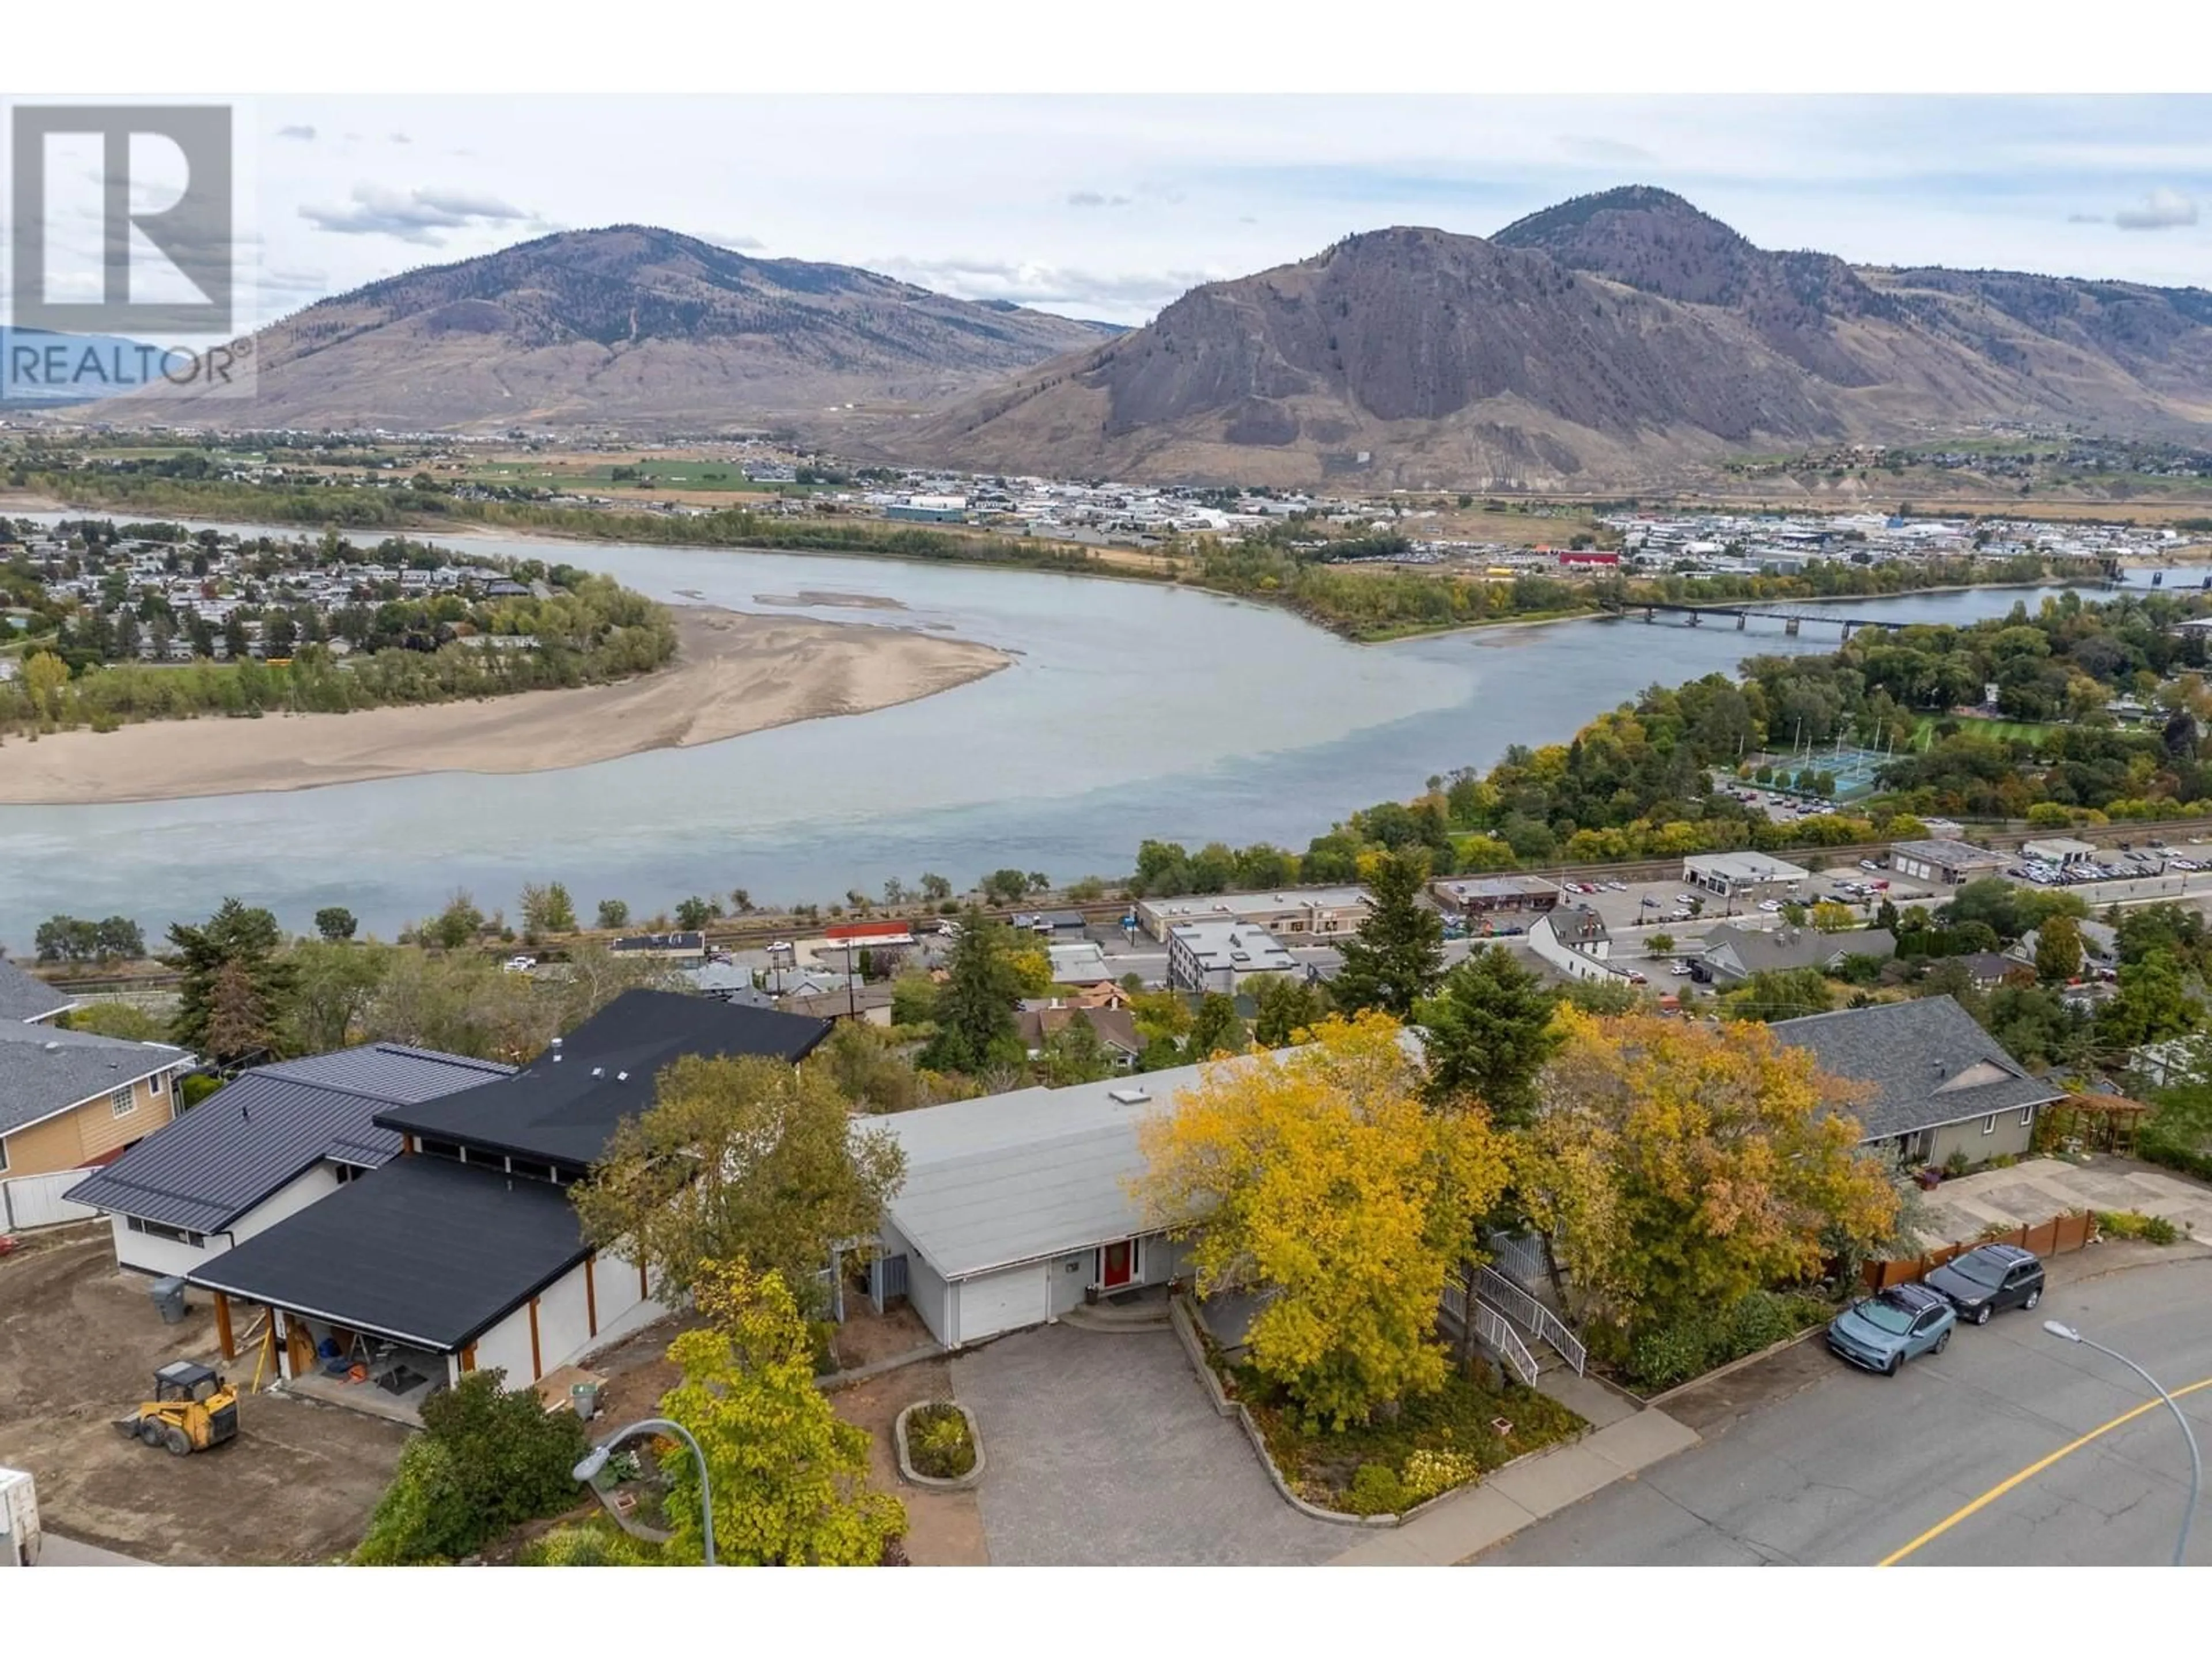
(1131,710)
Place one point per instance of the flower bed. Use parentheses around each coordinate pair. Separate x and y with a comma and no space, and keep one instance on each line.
(1428,1446)
(938,1444)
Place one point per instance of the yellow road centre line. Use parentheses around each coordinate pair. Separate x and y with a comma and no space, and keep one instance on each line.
(2031,1471)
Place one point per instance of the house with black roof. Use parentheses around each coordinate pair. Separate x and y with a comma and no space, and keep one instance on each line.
(463,1253)
(1939,1084)
(274,1140)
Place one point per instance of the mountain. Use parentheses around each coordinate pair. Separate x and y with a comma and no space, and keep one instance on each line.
(1615,339)
(628,326)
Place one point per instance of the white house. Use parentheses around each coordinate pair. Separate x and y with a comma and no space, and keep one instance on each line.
(1014,1207)
(463,1253)
(276,1140)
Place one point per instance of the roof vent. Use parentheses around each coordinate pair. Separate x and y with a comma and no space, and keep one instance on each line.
(598,1071)
(622,1077)
(1129,1096)
(52,1047)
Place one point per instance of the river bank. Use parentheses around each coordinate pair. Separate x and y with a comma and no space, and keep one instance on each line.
(736,673)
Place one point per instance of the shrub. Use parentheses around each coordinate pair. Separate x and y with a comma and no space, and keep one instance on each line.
(2003,1161)
(937,1440)
(2134,1223)
(596,1543)
(1956,1165)
(486,1461)
(1661,1358)
(1375,1490)
(1427,1473)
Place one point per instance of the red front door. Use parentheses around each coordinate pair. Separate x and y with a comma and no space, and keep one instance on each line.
(1117,1264)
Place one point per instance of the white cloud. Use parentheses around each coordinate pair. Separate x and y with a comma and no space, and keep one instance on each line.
(1053,288)
(2162,210)
(412,215)
(1606,152)
(1092,198)
(305,135)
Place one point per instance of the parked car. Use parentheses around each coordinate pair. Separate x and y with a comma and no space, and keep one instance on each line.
(1869,864)
(520,964)
(1988,1279)
(1773,907)
(1680,970)
(1880,1332)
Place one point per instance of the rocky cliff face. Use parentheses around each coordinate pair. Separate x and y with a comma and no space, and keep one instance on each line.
(1610,340)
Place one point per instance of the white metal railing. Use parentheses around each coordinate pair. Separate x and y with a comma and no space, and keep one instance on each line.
(1533,1316)
(1491,1326)
(1521,1256)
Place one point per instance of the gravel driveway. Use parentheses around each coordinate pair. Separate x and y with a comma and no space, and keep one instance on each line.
(1102,1450)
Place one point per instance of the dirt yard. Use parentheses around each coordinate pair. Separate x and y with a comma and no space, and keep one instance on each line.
(943,1529)
(79,1342)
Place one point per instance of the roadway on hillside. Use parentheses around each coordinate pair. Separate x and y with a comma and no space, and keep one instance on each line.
(1806,1462)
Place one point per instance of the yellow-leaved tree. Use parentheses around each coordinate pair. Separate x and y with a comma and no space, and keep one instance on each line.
(1316,1181)
(790,1479)
(1681,1167)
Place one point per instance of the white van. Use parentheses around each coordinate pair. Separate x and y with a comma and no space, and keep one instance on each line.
(19,1520)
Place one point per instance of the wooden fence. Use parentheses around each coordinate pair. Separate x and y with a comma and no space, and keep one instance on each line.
(28,1201)
(2057,1236)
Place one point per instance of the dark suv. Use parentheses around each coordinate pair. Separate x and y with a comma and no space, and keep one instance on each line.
(1988,1279)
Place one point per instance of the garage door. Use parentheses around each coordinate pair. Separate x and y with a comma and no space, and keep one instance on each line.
(1006,1301)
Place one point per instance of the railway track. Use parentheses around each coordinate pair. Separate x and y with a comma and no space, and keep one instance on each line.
(752,933)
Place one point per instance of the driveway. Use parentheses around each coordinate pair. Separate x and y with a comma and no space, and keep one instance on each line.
(1808,1461)
(1102,1449)
(2031,1193)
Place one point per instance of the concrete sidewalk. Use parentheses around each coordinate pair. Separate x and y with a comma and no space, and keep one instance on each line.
(1515,1498)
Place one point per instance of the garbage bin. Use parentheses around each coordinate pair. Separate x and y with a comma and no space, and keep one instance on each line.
(584,1399)
(169,1296)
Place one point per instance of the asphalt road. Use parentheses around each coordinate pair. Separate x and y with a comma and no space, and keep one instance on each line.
(1850,1469)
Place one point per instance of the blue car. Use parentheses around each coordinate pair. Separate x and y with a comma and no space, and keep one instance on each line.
(1880,1332)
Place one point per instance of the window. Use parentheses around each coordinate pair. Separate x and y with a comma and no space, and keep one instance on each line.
(2027,1114)
(125,1101)
(156,1083)
(438,1148)
(1990,1124)
(3,1157)
(175,1235)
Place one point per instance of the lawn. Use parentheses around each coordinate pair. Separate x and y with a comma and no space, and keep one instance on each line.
(1432,1443)
(2023,731)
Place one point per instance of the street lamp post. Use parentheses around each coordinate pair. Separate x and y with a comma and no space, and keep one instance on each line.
(2067,1334)
(596,1459)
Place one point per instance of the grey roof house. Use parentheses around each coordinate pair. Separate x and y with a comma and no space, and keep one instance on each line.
(1736,953)
(1939,1083)
(26,999)
(276,1140)
(1014,1210)
(69,1099)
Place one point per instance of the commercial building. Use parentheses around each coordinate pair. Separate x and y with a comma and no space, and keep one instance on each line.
(1736,874)
(1313,910)
(1483,896)
(2059,850)
(1220,956)
(1943,863)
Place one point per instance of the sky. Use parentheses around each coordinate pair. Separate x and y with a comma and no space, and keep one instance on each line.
(1110,206)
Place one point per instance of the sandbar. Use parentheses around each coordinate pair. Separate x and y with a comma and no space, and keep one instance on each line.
(735,673)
